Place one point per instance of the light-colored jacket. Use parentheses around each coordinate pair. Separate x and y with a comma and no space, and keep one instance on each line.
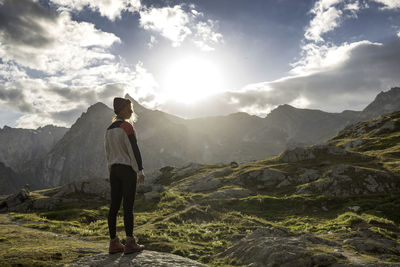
(120,145)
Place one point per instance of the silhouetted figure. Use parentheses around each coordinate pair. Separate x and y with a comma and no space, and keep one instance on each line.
(124,163)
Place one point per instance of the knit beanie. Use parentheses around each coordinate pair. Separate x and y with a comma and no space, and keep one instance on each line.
(119,104)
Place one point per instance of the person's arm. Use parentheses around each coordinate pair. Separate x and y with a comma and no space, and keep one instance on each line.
(128,128)
(107,150)
(136,151)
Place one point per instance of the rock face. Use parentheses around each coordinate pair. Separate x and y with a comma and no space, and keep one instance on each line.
(79,154)
(303,127)
(10,181)
(385,102)
(95,187)
(169,140)
(18,146)
(296,154)
(145,258)
(15,200)
(345,180)
(276,246)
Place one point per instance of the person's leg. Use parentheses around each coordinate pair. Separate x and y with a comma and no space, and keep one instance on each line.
(116,197)
(129,192)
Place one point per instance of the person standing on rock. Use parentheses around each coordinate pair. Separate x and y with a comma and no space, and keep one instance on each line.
(125,167)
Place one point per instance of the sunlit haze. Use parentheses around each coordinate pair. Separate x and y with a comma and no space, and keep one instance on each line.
(190,79)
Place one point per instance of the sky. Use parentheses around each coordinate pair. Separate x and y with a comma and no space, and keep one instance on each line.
(193,58)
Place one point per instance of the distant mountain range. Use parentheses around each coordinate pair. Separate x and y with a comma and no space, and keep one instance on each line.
(60,155)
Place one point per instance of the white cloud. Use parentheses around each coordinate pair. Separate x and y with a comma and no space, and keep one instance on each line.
(319,58)
(170,22)
(152,42)
(177,24)
(326,18)
(73,61)
(389,4)
(206,36)
(64,44)
(107,8)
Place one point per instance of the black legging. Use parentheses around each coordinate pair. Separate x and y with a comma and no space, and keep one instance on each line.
(123,186)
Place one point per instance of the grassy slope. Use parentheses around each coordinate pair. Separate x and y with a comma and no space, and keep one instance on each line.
(187,223)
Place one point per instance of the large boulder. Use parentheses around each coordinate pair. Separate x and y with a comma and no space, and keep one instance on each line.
(263,178)
(12,202)
(277,246)
(95,187)
(346,180)
(145,258)
(296,154)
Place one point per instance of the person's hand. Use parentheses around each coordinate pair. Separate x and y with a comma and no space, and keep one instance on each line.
(140,177)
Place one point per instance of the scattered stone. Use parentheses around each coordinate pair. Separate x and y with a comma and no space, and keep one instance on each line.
(354,208)
(234,164)
(166,169)
(353,144)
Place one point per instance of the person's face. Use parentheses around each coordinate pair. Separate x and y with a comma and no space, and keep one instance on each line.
(126,112)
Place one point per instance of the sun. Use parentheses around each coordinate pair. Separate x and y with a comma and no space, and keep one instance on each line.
(192,78)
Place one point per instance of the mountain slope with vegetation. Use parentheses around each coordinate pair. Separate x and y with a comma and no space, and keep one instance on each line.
(333,203)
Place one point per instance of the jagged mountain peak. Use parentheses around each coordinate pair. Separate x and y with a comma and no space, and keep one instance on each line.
(394,91)
(384,102)
(136,105)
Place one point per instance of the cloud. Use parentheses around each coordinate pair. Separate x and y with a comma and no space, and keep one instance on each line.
(52,67)
(326,18)
(205,37)
(180,22)
(152,42)
(111,9)
(170,22)
(367,69)
(50,42)
(389,4)
(15,98)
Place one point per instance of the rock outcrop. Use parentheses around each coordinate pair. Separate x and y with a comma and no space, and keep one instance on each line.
(19,146)
(145,258)
(277,246)
(345,180)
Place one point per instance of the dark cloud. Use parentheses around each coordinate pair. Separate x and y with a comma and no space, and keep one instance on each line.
(20,23)
(15,99)
(112,90)
(370,69)
(81,94)
(68,116)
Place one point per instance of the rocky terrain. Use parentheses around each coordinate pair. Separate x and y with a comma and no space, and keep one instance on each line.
(18,146)
(335,203)
(169,140)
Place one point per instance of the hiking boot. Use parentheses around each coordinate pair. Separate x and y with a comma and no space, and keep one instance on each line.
(115,246)
(131,246)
